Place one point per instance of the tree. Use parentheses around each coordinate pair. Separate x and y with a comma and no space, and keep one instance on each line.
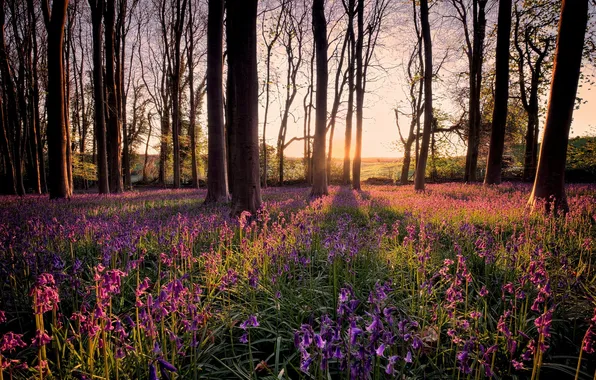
(364,57)
(56,130)
(474,48)
(190,51)
(217,179)
(97,9)
(293,41)
(242,106)
(274,34)
(319,185)
(178,27)
(12,117)
(549,185)
(428,97)
(351,12)
(533,41)
(497,139)
(113,128)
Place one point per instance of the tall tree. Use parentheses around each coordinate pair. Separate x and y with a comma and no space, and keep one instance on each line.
(374,22)
(474,48)
(351,13)
(359,96)
(319,185)
(56,130)
(549,185)
(12,117)
(217,178)
(178,28)
(113,128)
(497,138)
(97,10)
(243,105)
(428,97)
(270,37)
(190,52)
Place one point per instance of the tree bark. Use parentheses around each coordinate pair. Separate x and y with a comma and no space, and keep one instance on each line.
(97,9)
(359,97)
(350,111)
(319,186)
(217,179)
(549,185)
(56,129)
(476,59)
(113,128)
(243,124)
(497,139)
(428,97)
(176,124)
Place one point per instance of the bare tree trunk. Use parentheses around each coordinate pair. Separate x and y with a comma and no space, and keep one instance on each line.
(190,43)
(351,89)
(428,97)
(146,161)
(35,100)
(69,147)
(359,97)
(6,154)
(97,9)
(497,139)
(113,129)
(243,125)
(176,124)
(319,186)
(56,129)
(11,120)
(476,59)
(549,185)
(217,178)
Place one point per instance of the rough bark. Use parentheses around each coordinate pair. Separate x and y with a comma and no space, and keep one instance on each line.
(243,124)
(359,97)
(55,21)
(319,186)
(428,97)
(351,73)
(497,138)
(549,185)
(217,179)
(99,126)
(113,127)
(476,57)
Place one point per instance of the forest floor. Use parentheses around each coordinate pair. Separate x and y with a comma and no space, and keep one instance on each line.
(460,281)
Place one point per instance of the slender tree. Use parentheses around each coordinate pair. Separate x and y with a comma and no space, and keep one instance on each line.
(243,123)
(549,185)
(497,138)
(178,28)
(428,97)
(217,179)
(319,186)
(351,12)
(97,10)
(359,96)
(56,130)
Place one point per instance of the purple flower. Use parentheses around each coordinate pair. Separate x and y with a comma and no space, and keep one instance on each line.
(250,322)
(166,365)
(152,372)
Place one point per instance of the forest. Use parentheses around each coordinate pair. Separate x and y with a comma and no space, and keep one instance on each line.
(297,189)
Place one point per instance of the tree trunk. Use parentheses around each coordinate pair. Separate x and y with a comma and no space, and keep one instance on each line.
(477,56)
(243,124)
(217,178)
(56,129)
(6,154)
(497,138)
(97,9)
(113,128)
(350,111)
(359,97)
(176,124)
(319,186)
(428,97)
(549,185)
(405,170)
